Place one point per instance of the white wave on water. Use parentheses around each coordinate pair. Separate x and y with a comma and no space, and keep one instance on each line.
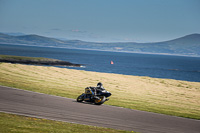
(83,66)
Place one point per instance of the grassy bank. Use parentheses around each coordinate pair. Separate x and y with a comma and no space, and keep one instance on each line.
(20,124)
(165,96)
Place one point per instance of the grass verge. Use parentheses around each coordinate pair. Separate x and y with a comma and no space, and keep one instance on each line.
(165,96)
(20,124)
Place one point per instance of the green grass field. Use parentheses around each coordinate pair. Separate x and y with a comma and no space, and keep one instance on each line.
(165,96)
(10,123)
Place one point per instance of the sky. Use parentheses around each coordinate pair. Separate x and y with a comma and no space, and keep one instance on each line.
(102,20)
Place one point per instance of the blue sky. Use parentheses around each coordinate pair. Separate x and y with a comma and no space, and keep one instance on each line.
(102,20)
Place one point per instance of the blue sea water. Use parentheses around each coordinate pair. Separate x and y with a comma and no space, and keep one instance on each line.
(158,66)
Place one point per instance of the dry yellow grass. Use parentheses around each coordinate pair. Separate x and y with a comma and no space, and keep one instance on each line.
(167,96)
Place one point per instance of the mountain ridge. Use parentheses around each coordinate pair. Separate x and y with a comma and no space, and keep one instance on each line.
(186,45)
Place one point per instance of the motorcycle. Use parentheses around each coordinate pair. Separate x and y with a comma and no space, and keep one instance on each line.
(98,99)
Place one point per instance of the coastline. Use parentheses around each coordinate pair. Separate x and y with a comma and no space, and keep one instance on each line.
(175,67)
(89,49)
(35,61)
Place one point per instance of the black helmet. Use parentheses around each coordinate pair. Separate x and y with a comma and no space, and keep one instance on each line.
(100,84)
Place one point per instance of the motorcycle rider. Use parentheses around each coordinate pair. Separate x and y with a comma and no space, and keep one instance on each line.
(99,87)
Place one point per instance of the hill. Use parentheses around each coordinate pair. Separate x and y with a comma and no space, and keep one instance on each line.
(187,45)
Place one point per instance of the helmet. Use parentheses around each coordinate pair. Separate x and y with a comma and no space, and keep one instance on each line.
(100,84)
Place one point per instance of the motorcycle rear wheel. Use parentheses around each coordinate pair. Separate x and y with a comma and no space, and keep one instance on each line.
(79,98)
(100,101)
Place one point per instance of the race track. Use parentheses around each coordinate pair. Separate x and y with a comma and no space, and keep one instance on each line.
(63,109)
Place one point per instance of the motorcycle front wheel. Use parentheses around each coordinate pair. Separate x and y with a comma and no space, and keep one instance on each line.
(100,101)
(79,98)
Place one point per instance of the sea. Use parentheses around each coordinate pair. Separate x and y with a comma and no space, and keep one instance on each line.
(152,65)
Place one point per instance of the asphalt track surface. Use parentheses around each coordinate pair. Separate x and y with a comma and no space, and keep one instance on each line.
(39,105)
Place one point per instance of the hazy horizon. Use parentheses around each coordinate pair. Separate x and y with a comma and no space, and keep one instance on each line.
(102,21)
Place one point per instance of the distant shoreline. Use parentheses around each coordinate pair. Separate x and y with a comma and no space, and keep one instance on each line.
(167,54)
(35,61)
